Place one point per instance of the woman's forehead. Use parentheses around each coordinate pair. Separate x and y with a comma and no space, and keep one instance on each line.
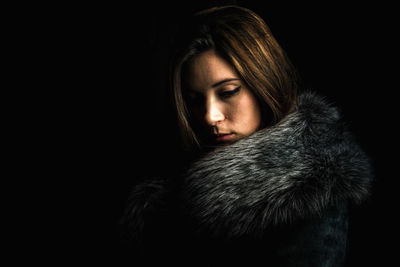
(209,70)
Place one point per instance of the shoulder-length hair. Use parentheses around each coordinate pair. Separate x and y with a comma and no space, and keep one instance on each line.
(243,39)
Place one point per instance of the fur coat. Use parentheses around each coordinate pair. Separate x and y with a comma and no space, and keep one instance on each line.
(280,195)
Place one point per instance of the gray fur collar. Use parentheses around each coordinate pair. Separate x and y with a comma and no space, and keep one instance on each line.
(295,169)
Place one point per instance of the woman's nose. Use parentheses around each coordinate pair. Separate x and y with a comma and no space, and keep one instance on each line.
(214,113)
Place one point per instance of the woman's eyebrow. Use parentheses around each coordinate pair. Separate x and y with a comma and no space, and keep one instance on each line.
(224,81)
(216,84)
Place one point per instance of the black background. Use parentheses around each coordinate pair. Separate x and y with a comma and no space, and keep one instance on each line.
(110,80)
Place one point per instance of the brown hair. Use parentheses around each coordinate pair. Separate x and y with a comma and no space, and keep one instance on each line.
(242,38)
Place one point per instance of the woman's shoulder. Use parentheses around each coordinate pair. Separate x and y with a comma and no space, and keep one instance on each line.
(145,205)
(293,170)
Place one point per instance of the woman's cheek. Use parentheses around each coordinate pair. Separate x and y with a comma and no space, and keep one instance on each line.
(246,114)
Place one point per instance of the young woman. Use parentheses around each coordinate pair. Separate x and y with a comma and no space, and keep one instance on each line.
(272,170)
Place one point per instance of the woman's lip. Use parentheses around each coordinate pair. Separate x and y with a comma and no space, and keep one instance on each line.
(224,137)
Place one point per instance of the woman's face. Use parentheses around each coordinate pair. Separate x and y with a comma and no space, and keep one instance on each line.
(226,109)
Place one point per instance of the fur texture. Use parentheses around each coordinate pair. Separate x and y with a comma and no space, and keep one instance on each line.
(294,170)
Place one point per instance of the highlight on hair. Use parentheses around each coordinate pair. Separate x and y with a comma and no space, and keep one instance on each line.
(241,37)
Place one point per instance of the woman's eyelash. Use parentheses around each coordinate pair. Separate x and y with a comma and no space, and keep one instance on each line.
(229,93)
(198,99)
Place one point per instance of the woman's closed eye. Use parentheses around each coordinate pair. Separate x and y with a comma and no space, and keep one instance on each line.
(229,93)
(195,98)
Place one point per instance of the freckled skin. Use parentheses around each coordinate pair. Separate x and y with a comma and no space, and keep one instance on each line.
(220,110)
